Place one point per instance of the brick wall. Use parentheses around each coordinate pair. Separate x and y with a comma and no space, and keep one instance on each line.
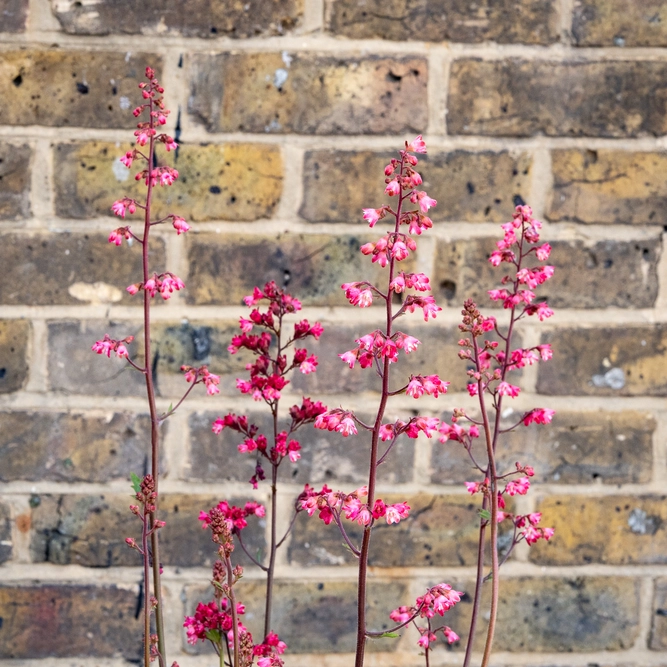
(287,110)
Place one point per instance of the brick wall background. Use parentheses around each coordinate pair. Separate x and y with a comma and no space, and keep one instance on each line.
(286,110)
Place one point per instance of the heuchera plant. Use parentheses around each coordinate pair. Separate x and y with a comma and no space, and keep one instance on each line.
(490,361)
(268,377)
(490,365)
(219,621)
(148,138)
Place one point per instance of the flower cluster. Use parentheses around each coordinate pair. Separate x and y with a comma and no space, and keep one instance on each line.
(437,600)
(201,374)
(163,283)
(526,525)
(108,345)
(268,374)
(332,504)
(234,517)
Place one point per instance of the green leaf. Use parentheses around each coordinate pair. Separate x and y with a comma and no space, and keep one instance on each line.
(136,482)
(485,514)
(389,634)
(213,635)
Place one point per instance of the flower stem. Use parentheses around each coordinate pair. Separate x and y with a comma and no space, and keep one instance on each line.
(150,392)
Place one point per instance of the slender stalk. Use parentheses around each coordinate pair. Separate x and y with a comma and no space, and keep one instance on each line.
(232,602)
(273,547)
(479,580)
(150,392)
(147,601)
(372,472)
(493,482)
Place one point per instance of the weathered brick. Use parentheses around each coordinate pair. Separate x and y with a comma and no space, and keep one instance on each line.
(14,336)
(470,186)
(14,14)
(230,181)
(526,21)
(5,533)
(72,447)
(606,361)
(57,621)
(438,353)
(198,18)
(607,186)
(554,614)
(74,369)
(516,97)
(441,531)
(174,345)
(325,457)
(658,638)
(91,531)
(634,530)
(76,88)
(576,448)
(309,93)
(610,273)
(15,180)
(313,617)
(64,268)
(224,269)
(619,23)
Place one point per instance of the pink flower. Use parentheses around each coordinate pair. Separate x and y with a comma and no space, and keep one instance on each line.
(347,427)
(399,251)
(417,145)
(349,357)
(393,188)
(415,388)
(539,416)
(450,635)
(506,389)
(518,487)
(133,289)
(407,343)
(127,159)
(309,365)
(372,215)
(119,207)
(180,225)
(117,235)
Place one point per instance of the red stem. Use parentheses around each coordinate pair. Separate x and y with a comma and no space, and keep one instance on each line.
(372,473)
(150,392)
(147,587)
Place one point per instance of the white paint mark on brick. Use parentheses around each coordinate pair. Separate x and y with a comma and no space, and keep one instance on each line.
(613,379)
(95,293)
